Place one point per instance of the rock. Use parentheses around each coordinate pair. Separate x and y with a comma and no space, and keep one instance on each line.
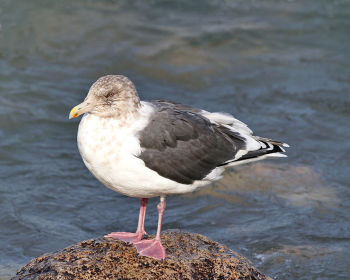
(189,256)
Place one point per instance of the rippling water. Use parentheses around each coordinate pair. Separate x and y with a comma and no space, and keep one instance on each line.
(283,67)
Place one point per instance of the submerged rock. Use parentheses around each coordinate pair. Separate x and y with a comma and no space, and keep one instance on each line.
(189,256)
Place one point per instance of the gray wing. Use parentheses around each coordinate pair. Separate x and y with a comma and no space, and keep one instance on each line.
(184,146)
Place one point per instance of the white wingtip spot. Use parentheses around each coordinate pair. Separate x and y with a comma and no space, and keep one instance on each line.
(285,145)
(277,155)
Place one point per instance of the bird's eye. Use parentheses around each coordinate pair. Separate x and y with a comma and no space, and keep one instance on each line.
(110,94)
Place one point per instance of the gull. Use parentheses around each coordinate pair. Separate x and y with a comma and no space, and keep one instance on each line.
(147,149)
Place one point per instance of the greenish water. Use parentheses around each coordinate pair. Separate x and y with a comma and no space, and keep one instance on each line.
(283,67)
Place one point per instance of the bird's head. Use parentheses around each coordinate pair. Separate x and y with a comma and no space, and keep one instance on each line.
(108,96)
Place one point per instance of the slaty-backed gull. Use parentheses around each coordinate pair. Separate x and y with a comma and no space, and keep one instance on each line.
(157,148)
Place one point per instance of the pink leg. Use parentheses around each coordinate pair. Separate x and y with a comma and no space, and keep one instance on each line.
(140,232)
(153,247)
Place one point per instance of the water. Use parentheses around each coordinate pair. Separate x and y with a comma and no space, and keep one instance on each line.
(283,67)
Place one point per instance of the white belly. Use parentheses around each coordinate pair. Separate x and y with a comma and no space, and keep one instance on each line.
(109,150)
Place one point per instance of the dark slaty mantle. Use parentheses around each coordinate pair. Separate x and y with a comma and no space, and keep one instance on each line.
(189,256)
(182,145)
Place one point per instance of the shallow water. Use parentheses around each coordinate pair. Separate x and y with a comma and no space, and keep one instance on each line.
(283,67)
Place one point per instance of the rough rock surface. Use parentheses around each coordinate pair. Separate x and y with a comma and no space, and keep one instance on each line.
(189,256)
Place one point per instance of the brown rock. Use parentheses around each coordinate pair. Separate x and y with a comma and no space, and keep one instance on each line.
(189,256)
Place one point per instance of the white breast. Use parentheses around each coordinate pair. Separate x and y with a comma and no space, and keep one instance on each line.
(110,150)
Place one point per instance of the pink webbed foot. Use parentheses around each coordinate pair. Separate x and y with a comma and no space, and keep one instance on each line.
(126,236)
(140,232)
(151,248)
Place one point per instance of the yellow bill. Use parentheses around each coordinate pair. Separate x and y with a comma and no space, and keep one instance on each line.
(73,113)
